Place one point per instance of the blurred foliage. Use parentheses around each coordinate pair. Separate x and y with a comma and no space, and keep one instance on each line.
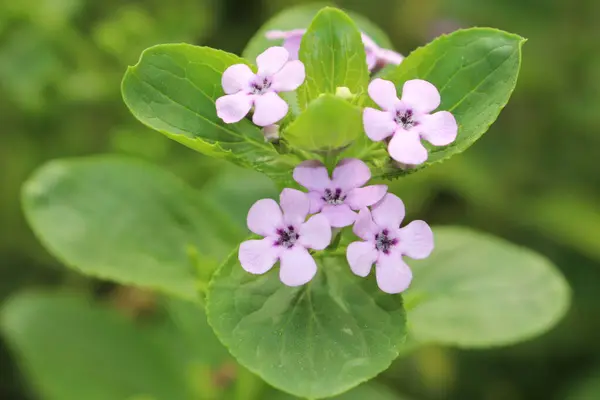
(532,179)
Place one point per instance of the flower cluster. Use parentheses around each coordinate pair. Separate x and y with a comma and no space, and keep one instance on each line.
(288,236)
(342,199)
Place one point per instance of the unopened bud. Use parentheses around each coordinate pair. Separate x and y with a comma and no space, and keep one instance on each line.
(344,93)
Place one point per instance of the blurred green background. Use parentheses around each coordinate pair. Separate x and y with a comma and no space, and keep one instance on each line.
(533,178)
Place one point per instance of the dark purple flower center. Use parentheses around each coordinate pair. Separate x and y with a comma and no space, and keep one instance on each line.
(404,118)
(383,242)
(260,85)
(334,197)
(287,237)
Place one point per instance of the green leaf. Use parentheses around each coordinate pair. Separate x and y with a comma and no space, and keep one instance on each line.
(173,90)
(126,221)
(368,391)
(300,17)
(329,123)
(312,341)
(475,71)
(334,56)
(476,290)
(72,349)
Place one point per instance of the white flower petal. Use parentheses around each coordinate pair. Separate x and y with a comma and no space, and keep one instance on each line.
(315,233)
(297,266)
(392,273)
(236,78)
(406,147)
(258,256)
(290,77)
(361,256)
(264,217)
(389,212)
(269,108)
(383,93)
(378,124)
(421,95)
(439,129)
(233,107)
(295,205)
(416,240)
(272,60)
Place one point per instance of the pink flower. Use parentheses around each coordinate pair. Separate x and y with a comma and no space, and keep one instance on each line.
(286,238)
(408,119)
(244,89)
(385,244)
(291,40)
(336,198)
(376,56)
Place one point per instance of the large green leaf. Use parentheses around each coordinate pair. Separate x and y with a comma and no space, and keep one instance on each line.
(300,17)
(71,349)
(334,56)
(475,71)
(126,221)
(313,341)
(173,90)
(368,391)
(476,290)
(329,123)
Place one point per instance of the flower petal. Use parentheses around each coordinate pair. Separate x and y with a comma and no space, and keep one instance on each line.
(316,202)
(389,212)
(258,256)
(315,233)
(416,240)
(290,77)
(361,256)
(339,216)
(439,129)
(268,109)
(313,175)
(277,34)
(364,227)
(367,196)
(264,217)
(295,205)
(421,95)
(236,78)
(368,42)
(383,93)
(350,173)
(390,56)
(371,59)
(232,108)
(292,45)
(272,60)
(406,147)
(378,124)
(392,273)
(297,266)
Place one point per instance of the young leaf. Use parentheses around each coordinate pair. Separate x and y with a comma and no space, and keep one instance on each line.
(334,56)
(329,123)
(127,221)
(71,349)
(173,90)
(475,71)
(476,290)
(312,341)
(300,17)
